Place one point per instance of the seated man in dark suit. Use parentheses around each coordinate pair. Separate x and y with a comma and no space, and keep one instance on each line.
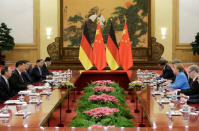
(44,68)
(26,76)
(36,72)
(5,88)
(193,99)
(194,74)
(167,72)
(16,80)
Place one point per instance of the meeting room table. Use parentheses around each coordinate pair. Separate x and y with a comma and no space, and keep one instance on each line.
(149,107)
(40,113)
(157,114)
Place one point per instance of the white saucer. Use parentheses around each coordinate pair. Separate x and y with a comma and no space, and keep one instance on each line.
(4,115)
(21,113)
(175,113)
(181,110)
(164,101)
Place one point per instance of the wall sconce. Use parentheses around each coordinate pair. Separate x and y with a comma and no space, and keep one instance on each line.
(163,32)
(48,32)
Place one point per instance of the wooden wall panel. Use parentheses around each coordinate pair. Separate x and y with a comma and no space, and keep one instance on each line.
(21,54)
(186,55)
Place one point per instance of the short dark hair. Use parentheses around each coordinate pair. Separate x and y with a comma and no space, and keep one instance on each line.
(25,61)
(4,70)
(162,61)
(176,61)
(20,62)
(48,59)
(39,60)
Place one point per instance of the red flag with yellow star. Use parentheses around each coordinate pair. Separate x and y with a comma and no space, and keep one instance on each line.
(99,54)
(125,51)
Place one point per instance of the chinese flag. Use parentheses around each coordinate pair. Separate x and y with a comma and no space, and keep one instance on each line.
(125,51)
(99,54)
(85,51)
(112,51)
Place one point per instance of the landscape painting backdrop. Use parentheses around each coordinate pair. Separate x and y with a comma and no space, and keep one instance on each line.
(77,12)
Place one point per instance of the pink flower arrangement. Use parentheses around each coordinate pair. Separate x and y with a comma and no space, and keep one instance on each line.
(103,82)
(101,111)
(103,97)
(103,89)
(102,126)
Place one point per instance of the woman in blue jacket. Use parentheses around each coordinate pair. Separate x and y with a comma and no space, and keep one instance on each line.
(181,81)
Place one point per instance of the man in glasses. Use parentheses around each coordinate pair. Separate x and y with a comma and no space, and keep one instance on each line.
(194,74)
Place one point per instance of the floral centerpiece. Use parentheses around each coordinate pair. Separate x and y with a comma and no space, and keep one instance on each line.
(136,85)
(102,105)
(66,84)
(103,97)
(103,89)
(101,112)
(103,82)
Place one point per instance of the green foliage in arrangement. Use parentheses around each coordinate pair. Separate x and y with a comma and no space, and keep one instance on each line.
(195,45)
(119,119)
(6,40)
(137,85)
(66,84)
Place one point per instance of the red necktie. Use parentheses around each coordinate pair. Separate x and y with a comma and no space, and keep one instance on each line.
(21,78)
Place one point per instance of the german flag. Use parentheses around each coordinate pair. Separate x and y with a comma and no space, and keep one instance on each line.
(112,51)
(85,50)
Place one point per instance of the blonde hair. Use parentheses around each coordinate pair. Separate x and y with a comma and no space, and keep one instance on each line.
(179,66)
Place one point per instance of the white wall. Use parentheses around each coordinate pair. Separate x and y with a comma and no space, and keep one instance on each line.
(49,12)
(18,15)
(163,19)
(188,20)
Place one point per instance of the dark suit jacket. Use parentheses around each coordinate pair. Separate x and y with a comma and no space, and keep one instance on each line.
(5,92)
(26,77)
(16,82)
(193,99)
(35,74)
(45,70)
(167,72)
(193,90)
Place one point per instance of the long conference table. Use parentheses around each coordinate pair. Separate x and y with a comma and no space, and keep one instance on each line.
(157,114)
(40,114)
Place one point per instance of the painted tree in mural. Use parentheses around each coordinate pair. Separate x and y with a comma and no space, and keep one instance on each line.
(135,12)
(74,32)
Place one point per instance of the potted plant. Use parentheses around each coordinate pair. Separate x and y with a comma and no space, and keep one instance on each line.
(6,41)
(195,44)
